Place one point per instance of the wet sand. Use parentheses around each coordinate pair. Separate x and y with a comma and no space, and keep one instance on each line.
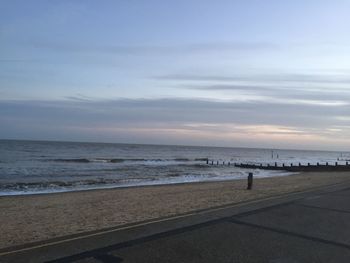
(33,218)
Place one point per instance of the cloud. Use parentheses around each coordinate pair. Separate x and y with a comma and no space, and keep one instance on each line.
(179,121)
(279,94)
(79,98)
(330,90)
(156,49)
(262,78)
(167,110)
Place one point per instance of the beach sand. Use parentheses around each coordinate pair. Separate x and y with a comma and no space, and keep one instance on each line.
(33,218)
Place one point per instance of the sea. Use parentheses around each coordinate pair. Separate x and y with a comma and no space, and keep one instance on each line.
(37,167)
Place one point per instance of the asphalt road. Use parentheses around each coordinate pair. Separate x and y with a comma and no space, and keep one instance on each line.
(307,227)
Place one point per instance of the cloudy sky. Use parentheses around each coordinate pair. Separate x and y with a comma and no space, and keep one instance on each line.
(246,73)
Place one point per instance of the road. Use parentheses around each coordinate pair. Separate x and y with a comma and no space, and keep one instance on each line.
(311,226)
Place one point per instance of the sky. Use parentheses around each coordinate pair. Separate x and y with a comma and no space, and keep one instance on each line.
(248,73)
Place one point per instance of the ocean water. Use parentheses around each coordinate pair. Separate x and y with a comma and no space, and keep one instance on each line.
(28,167)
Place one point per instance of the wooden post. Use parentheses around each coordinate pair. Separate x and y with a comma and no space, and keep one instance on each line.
(250,181)
(308,164)
(336,163)
(318,164)
(291,164)
(299,164)
(207,161)
(283,165)
(275,164)
(212,162)
(223,163)
(326,163)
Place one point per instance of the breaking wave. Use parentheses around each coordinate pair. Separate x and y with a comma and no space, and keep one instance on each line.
(123,160)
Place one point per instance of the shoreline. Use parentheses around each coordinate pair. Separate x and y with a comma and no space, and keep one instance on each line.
(112,187)
(37,217)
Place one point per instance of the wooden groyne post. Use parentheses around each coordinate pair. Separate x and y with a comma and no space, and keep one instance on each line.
(250,181)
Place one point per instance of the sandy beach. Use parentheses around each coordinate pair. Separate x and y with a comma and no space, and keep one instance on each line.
(33,218)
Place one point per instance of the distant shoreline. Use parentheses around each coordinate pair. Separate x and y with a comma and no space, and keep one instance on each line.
(177,145)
